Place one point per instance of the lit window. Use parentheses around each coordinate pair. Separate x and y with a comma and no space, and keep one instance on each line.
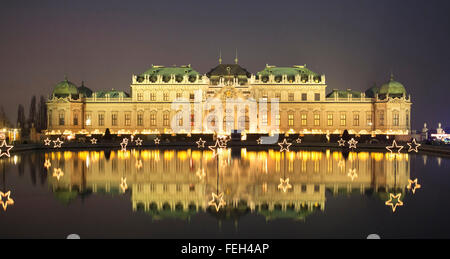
(88,119)
(140,119)
(395,119)
(101,119)
(304,120)
(304,97)
(166,120)
(355,119)
(75,119)
(381,118)
(316,97)
(127,119)
(343,119)
(114,119)
(166,97)
(330,119)
(291,97)
(140,96)
(152,97)
(316,119)
(153,119)
(61,118)
(277,120)
(278,96)
(369,118)
(291,119)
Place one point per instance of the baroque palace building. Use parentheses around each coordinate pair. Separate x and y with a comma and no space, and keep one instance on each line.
(304,105)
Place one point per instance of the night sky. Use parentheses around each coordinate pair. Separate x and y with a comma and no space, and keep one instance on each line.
(354,43)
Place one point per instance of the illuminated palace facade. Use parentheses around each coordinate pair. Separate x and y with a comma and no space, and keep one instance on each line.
(305,107)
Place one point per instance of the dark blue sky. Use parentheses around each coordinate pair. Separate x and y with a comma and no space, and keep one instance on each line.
(354,43)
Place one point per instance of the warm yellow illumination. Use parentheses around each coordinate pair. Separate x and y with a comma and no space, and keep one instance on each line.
(47,164)
(58,173)
(413,146)
(416,185)
(217,201)
(123,184)
(352,143)
(284,145)
(5,147)
(394,146)
(352,174)
(8,201)
(284,185)
(57,143)
(396,204)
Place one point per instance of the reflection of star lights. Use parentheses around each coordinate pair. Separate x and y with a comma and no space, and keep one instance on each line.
(200,173)
(284,145)
(416,185)
(215,148)
(284,185)
(157,140)
(5,147)
(124,144)
(217,201)
(352,143)
(58,173)
(298,140)
(413,146)
(341,142)
(123,184)
(394,147)
(139,142)
(201,143)
(139,164)
(57,143)
(341,164)
(8,201)
(352,174)
(94,141)
(223,141)
(47,142)
(47,164)
(394,201)
(259,141)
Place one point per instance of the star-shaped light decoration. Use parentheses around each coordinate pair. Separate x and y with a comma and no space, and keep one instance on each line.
(259,141)
(47,164)
(124,144)
(57,143)
(328,137)
(58,173)
(341,142)
(201,173)
(123,184)
(201,143)
(139,142)
(47,142)
(413,146)
(352,143)
(413,185)
(215,148)
(94,141)
(298,140)
(223,141)
(394,201)
(217,201)
(157,140)
(138,164)
(394,147)
(8,201)
(284,145)
(284,184)
(352,174)
(4,149)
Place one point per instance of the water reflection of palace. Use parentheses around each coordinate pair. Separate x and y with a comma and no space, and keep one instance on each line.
(172,183)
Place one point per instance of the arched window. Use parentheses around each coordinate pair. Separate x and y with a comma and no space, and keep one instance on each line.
(61,118)
(395,118)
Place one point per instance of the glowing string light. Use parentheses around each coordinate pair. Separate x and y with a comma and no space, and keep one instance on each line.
(413,146)
(8,201)
(217,201)
(284,184)
(4,149)
(394,201)
(139,142)
(352,174)
(394,146)
(415,183)
(94,141)
(201,143)
(47,142)
(352,143)
(57,143)
(284,145)
(123,184)
(58,173)
(341,142)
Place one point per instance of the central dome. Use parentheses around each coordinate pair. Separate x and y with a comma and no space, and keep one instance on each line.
(392,88)
(65,88)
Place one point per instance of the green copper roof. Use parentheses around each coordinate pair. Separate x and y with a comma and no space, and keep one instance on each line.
(344,94)
(112,94)
(228,70)
(65,88)
(372,92)
(289,71)
(84,90)
(167,72)
(392,88)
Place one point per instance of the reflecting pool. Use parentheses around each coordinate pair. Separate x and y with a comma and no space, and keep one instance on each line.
(236,194)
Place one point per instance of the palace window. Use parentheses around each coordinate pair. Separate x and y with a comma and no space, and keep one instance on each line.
(50,118)
(192,120)
(304,97)
(75,119)
(166,97)
(166,119)
(278,96)
(192,97)
(395,119)
(316,119)
(343,119)
(153,119)
(264,118)
(127,119)
(114,119)
(61,118)
(381,118)
(369,118)
(407,119)
(179,95)
(291,97)
(140,97)
(355,119)
(316,97)
(277,120)
(88,119)
(101,119)
(140,119)
(330,119)
(152,97)
(180,120)
(304,119)
(291,119)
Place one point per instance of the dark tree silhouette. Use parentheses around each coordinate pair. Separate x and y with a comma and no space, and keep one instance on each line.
(41,123)
(32,115)
(21,124)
